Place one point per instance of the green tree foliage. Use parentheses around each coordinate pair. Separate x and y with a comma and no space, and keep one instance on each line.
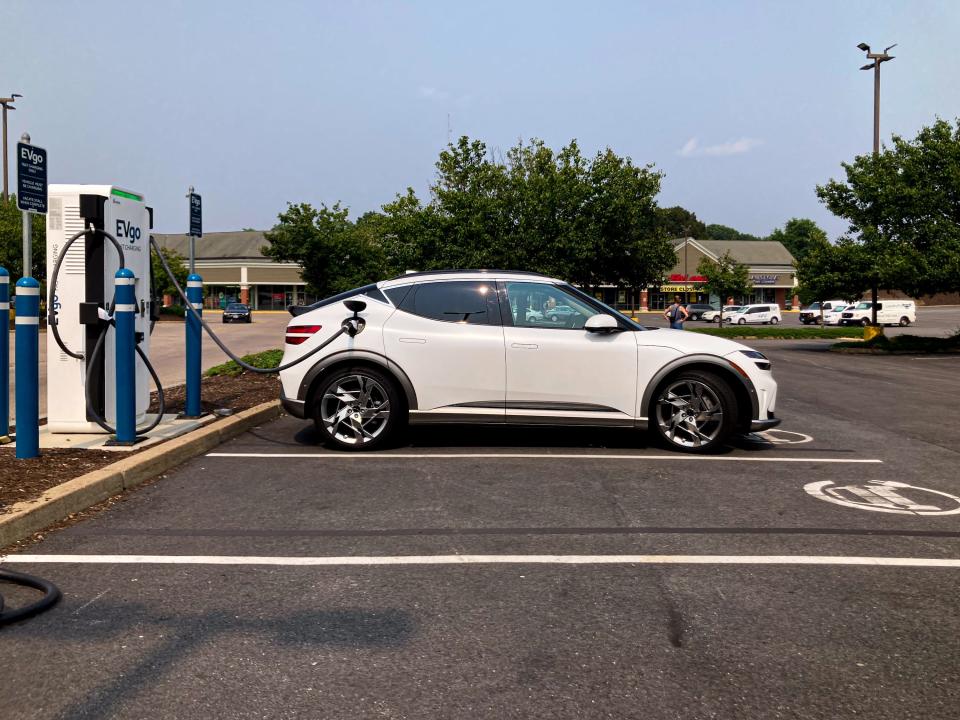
(556,212)
(336,253)
(725,277)
(160,281)
(722,232)
(678,222)
(11,241)
(832,271)
(799,235)
(903,209)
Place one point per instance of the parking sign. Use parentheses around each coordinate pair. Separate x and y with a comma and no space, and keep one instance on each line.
(31,178)
(196,215)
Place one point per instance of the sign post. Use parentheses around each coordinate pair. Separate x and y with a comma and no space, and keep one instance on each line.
(31,193)
(196,224)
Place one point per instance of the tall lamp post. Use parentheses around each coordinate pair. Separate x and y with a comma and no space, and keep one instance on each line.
(876,58)
(7,103)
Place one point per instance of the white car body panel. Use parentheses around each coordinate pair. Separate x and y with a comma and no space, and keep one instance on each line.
(746,317)
(889,312)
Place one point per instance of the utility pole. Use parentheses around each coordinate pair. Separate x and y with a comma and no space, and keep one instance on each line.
(193,240)
(7,103)
(877,58)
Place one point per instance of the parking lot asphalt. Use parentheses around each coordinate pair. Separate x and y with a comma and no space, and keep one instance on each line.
(513,572)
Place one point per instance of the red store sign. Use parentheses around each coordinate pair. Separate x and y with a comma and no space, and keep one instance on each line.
(678,277)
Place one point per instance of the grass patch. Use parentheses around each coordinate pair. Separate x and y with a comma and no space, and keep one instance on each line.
(779,332)
(265,359)
(903,344)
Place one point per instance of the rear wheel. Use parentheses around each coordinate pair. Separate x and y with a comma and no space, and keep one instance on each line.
(743,321)
(694,411)
(904,321)
(358,408)
(774,320)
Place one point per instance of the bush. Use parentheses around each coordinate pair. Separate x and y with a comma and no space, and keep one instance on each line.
(173,310)
(780,332)
(904,344)
(265,359)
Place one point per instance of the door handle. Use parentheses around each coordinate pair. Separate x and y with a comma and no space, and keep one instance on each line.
(419,341)
(525,346)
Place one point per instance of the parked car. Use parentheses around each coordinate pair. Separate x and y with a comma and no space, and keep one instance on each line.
(767,314)
(697,310)
(460,346)
(811,314)
(714,315)
(237,312)
(889,312)
(835,314)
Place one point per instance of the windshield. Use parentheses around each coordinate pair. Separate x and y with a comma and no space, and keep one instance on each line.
(236,307)
(863,306)
(813,306)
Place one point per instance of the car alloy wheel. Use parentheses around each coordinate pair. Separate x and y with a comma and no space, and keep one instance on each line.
(694,411)
(774,320)
(904,321)
(865,322)
(357,409)
(743,321)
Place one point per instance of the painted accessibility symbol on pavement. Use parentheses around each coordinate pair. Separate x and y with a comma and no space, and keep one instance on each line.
(886,496)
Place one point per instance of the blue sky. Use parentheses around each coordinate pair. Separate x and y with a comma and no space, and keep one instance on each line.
(745,106)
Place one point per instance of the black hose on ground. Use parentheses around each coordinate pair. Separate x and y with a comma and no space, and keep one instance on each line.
(52,286)
(51,594)
(220,343)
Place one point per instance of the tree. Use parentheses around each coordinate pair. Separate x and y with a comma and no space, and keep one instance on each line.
(903,209)
(11,241)
(678,222)
(334,252)
(725,277)
(798,236)
(722,232)
(161,281)
(832,271)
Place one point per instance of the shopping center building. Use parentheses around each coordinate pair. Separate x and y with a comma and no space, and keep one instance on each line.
(234,269)
(769,263)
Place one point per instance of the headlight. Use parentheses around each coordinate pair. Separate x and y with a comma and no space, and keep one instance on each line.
(759,359)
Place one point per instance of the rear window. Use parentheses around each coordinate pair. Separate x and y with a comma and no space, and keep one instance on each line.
(473,302)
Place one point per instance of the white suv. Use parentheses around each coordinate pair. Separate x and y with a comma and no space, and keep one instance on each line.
(488,347)
(768,314)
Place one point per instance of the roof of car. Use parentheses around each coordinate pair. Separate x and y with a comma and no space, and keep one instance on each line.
(474,274)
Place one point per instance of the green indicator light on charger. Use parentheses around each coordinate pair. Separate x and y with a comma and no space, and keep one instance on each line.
(125,194)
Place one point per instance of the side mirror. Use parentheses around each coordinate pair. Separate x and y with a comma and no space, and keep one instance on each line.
(355,306)
(601,323)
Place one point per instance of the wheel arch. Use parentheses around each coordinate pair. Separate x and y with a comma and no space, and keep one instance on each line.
(748,405)
(353,358)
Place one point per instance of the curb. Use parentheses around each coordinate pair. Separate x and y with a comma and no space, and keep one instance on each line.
(82,492)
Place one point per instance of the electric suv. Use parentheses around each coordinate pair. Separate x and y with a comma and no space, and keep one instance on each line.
(484,347)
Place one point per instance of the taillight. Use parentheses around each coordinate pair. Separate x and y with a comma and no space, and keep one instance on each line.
(297,334)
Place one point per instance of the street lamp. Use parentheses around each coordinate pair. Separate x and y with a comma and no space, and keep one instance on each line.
(877,58)
(7,103)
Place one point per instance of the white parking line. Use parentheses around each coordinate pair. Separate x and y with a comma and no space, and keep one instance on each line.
(485,560)
(538,456)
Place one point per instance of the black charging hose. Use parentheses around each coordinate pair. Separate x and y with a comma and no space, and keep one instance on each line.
(246,366)
(52,288)
(51,594)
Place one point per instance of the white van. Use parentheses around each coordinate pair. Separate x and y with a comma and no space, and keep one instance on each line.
(834,315)
(811,314)
(766,314)
(889,312)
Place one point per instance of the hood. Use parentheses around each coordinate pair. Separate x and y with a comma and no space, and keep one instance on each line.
(688,342)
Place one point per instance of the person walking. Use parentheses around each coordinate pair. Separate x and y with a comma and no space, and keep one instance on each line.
(676,313)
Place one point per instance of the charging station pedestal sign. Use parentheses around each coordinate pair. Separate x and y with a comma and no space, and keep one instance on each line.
(31,178)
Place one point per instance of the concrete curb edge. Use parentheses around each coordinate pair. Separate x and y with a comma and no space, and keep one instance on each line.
(87,490)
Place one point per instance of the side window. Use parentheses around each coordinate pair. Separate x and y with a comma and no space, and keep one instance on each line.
(546,306)
(754,310)
(473,302)
(397,294)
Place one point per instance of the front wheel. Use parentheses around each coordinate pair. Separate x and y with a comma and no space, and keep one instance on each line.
(358,408)
(694,411)
(865,322)
(743,321)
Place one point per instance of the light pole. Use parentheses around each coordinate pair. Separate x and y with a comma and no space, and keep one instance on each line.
(877,58)
(7,103)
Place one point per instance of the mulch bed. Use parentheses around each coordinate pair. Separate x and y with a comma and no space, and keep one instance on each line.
(27,479)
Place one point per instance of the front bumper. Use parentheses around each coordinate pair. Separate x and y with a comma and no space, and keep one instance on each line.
(758,425)
(296,408)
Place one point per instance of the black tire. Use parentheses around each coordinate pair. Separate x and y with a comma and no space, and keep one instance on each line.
(224,321)
(774,320)
(865,322)
(742,321)
(676,437)
(904,321)
(326,400)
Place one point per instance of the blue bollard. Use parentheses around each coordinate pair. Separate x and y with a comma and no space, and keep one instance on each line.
(124,317)
(195,295)
(4,355)
(28,368)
